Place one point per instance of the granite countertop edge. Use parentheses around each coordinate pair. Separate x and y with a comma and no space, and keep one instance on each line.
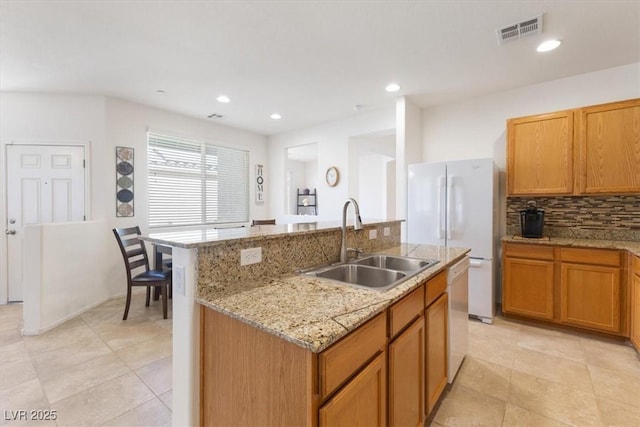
(628,245)
(184,239)
(317,335)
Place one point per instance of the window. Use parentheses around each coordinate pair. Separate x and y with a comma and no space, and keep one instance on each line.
(193,183)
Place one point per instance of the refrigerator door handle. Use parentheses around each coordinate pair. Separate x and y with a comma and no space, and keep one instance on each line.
(449,213)
(441,189)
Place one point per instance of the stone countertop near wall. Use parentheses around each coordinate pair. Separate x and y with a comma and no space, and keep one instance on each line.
(208,236)
(628,245)
(314,313)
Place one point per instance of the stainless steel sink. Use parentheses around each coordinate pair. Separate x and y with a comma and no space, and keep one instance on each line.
(361,275)
(375,272)
(393,262)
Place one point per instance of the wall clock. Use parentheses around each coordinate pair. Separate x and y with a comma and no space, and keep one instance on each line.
(332,176)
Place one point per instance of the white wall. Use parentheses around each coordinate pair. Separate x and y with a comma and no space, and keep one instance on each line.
(369,174)
(106,123)
(333,150)
(408,150)
(476,128)
(65,273)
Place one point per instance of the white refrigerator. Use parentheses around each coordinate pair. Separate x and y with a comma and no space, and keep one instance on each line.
(456,204)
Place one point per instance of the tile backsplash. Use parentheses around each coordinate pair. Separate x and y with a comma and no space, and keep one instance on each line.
(582,217)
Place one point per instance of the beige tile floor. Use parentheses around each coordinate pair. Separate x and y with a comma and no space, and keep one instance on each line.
(517,374)
(93,370)
(99,370)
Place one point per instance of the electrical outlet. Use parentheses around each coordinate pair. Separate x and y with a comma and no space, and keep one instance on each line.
(373,234)
(250,256)
(387,231)
(178,279)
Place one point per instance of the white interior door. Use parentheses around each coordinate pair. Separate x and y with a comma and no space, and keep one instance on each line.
(45,183)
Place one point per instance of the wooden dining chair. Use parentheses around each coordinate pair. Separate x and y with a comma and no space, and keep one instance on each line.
(135,257)
(263,222)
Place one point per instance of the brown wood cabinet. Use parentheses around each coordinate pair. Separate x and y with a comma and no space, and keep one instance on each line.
(578,287)
(635,302)
(609,145)
(389,371)
(407,376)
(590,150)
(590,288)
(528,281)
(540,154)
(361,402)
(436,328)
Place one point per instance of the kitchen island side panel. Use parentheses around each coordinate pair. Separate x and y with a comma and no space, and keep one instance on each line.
(250,373)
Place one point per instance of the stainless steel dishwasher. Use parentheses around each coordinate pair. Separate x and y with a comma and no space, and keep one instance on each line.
(458,330)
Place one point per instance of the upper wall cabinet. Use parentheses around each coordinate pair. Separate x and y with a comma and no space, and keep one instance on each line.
(548,155)
(609,146)
(540,154)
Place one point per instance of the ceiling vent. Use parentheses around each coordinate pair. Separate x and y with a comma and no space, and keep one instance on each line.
(215,116)
(525,28)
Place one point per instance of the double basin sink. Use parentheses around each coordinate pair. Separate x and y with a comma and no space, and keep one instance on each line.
(375,272)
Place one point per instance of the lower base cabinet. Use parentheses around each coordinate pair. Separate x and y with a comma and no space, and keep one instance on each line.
(635,302)
(407,377)
(362,402)
(436,321)
(590,296)
(579,287)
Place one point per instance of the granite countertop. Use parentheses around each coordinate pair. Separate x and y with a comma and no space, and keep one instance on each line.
(314,313)
(209,236)
(628,245)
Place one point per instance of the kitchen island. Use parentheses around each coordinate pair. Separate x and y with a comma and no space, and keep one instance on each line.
(300,312)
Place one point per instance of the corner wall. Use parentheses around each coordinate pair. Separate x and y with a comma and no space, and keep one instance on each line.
(333,150)
(104,123)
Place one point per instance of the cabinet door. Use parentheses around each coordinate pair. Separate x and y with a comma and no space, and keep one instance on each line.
(407,377)
(436,320)
(528,287)
(361,402)
(635,303)
(590,296)
(540,154)
(609,141)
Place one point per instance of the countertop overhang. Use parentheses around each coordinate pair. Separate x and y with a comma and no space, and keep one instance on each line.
(210,236)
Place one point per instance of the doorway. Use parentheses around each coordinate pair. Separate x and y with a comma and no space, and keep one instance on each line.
(45,184)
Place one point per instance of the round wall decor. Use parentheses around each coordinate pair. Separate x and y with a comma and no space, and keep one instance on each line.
(332,176)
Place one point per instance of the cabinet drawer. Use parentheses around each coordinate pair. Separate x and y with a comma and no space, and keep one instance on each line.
(528,251)
(591,256)
(436,287)
(405,310)
(340,361)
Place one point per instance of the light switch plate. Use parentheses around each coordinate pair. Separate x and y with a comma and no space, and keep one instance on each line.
(373,234)
(387,231)
(250,256)
(178,279)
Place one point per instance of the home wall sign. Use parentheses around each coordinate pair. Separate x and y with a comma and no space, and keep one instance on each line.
(259,184)
(124,182)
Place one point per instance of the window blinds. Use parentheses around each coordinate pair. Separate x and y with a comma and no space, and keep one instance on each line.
(193,183)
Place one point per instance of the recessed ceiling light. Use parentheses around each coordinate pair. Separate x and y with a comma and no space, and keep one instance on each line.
(392,87)
(223,98)
(548,45)
(276,116)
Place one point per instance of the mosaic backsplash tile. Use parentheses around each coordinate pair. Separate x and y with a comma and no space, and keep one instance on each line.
(582,217)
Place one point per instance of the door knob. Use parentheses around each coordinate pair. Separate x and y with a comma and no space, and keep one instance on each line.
(9,231)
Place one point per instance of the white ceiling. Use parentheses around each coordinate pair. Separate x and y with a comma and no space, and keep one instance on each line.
(310,61)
